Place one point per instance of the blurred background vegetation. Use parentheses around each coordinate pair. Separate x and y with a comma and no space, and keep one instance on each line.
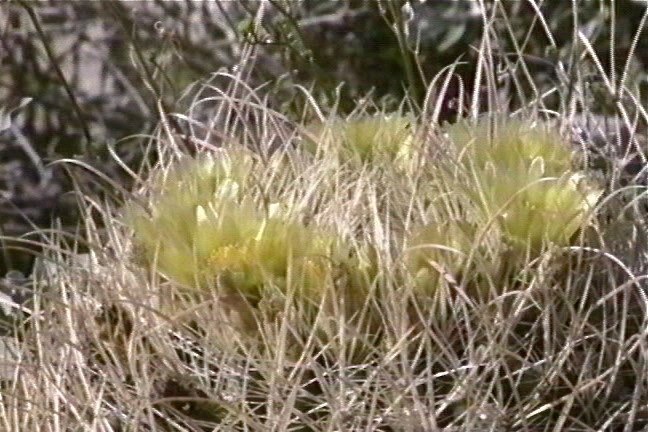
(84,79)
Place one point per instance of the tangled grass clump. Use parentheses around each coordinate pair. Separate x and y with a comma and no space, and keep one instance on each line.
(317,289)
(370,272)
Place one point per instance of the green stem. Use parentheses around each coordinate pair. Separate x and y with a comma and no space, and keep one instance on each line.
(406,53)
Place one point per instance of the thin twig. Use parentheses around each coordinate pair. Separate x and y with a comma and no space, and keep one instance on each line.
(59,72)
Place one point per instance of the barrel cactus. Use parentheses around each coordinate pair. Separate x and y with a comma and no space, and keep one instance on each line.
(508,194)
(367,139)
(207,234)
(522,175)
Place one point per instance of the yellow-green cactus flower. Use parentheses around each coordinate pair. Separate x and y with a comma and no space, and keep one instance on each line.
(523,177)
(549,211)
(366,139)
(174,233)
(511,145)
(203,235)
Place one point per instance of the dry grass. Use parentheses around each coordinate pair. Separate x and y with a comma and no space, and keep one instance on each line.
(549,338)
